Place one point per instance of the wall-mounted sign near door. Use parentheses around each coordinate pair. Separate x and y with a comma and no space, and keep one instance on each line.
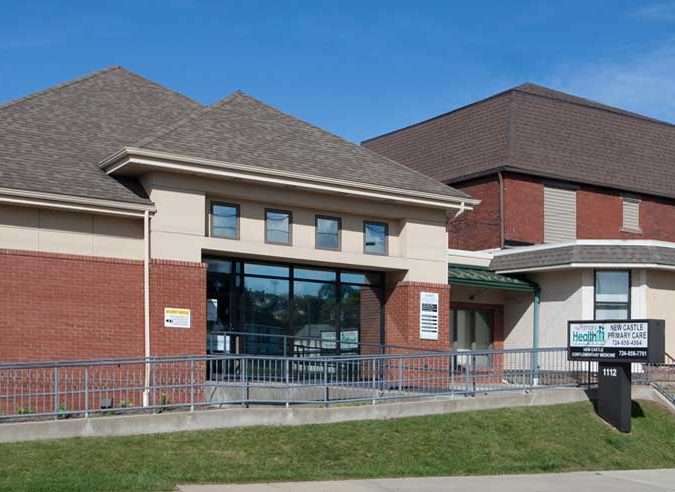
(614,345)
(428,316)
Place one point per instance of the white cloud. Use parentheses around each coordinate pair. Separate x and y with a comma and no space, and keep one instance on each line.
(643,83)
(659,11)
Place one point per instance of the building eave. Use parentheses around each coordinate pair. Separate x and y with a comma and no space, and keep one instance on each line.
(28,198)
(135,161)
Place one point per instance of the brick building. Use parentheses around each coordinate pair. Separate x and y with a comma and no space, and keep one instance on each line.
(577,198)
(137,222)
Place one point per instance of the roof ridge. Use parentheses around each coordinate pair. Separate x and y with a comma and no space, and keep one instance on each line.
(157,84)
(183,121)
(62,85)
(585,102)
(342,139)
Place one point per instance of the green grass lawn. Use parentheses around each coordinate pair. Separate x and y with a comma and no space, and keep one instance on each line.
(519,440)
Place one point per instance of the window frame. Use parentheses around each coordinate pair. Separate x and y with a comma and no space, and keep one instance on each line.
(386,237)
(317,217)
(236,206)
(628,303)
(290,226)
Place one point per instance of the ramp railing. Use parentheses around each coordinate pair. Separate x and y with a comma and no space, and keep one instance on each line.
(69,389)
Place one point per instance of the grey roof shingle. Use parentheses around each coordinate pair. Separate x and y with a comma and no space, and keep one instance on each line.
(243,130)
(583,253)
(540,131)
(52,141)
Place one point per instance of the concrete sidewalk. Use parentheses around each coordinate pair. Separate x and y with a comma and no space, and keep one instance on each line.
(607,481)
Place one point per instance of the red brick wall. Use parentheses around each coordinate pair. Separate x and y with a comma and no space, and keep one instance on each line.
(523,209)
(402,315)
(177,284)
(57,306)
(599,214)
(371,320)
(479,228)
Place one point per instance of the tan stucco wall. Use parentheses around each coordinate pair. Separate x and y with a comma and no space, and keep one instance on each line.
(561,300)
(55,231)
(417,236)
(661,302)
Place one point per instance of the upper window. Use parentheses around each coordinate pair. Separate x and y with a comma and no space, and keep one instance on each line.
(278,226)
(225,220)
(375,238)
(612,294)
(327,232)
(631,214)
(560,214)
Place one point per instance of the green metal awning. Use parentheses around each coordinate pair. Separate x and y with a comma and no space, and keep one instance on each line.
(482,277)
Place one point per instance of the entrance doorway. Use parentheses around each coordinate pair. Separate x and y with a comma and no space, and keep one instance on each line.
(472,329)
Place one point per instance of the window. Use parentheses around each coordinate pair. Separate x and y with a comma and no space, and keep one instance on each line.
(322,311)
(225,220)
(560,214)
(375,238)
(612,295)
(631,214)
(278,226)
(327,232)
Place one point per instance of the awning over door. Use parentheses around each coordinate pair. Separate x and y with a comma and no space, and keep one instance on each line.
(481,277)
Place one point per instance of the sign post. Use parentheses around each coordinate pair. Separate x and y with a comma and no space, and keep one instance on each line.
(614,345)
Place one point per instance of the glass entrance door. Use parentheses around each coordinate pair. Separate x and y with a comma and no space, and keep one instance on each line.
(472,330)
(222,308)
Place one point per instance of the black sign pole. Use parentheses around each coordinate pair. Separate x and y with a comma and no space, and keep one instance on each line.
(614,394)
(614,345)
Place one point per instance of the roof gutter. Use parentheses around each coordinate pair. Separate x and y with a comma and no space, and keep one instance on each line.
(73,203)
(130,158)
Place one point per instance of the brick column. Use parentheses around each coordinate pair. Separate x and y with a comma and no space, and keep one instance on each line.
(402,315)
(177,284)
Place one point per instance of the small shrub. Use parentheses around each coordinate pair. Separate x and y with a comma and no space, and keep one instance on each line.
(126,404)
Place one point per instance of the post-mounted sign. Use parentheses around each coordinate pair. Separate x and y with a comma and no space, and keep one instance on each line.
(614,345)
(616,341)
(428,315)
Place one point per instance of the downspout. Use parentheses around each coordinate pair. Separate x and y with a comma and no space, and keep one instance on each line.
(535,336)
(500,177)
(146,304)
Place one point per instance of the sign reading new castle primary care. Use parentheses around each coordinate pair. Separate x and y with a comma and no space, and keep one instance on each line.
(613,341)
(428,316)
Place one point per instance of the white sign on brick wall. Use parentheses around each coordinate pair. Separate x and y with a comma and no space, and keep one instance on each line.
(176,318)
(428,316)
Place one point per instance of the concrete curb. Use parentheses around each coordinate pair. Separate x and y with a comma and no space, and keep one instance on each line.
(125,425)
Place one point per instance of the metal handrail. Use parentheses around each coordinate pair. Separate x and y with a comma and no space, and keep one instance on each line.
(208,357)
(79,388)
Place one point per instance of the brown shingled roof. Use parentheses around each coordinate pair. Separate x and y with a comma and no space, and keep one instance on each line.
(52,141)
(540,131)
(243,130)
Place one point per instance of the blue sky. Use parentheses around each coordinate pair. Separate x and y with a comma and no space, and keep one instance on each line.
(357,68)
